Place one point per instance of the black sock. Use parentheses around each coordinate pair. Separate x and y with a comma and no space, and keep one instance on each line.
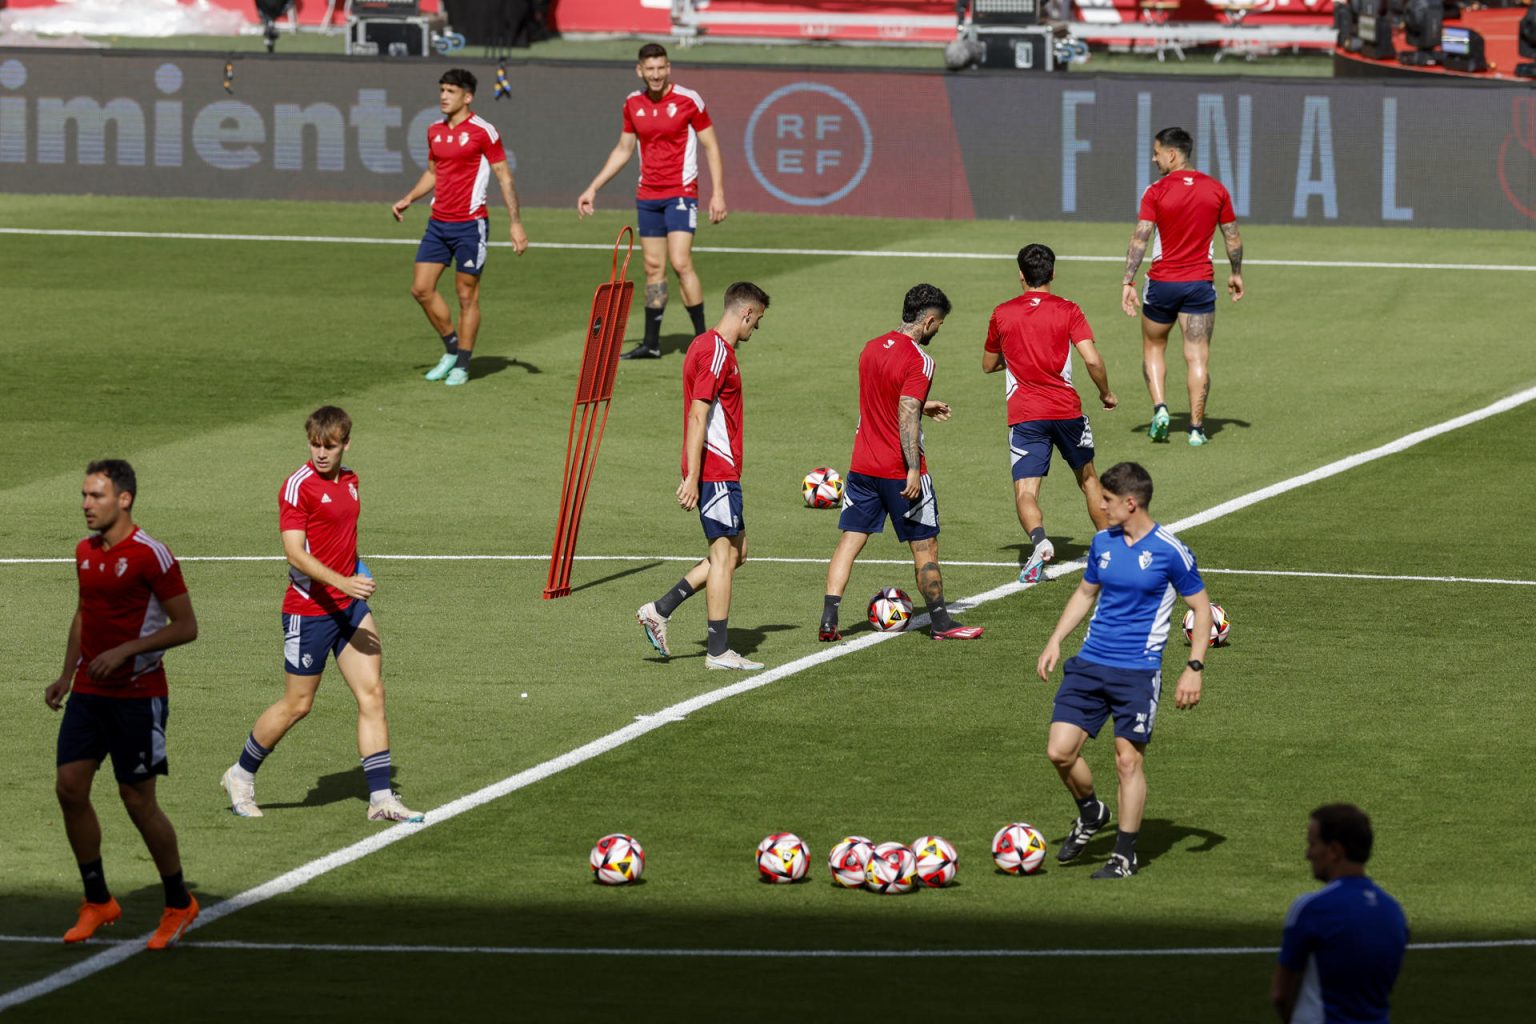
(1037,535)
(1197,426)
(463,363)
(719,639)
(95,882)
(667,603)
(1125,844)
(696,314)
(1160,405)
(938,615)
(1088,807)
(653,327)
(829,606)
(176,894)
(451,342)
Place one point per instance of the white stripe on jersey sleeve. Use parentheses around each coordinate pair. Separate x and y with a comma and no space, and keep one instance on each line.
(1177,545)
(163,554)
(489,128)
(718,362)
(291,489)
(698,100)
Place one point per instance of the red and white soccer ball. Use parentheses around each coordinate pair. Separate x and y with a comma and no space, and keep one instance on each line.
(1018,848)
(936,860)
(823,488)
(849,859)
(892,870)
(890,610)
(1221,626)
(782,858)
(618,859)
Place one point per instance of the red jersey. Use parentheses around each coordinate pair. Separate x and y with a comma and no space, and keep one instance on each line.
(668,133)
(122,595)
(462,157)
(327,511)
(1035,334)
(710,374)
(890,367)
(1186,206)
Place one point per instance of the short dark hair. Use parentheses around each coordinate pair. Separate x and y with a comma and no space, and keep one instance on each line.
(1348,826)
(743,292)
(1176,138)
(1037,263)
(461,78)
(920,299)
(650,51)
(123,478)
(1128,480)
(328,421)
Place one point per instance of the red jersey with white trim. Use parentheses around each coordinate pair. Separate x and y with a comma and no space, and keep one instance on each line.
(710,374)
(462,157)
(890,367)
(1035,333)
(668,133)
(122,593)
(1186,206)
(327,511)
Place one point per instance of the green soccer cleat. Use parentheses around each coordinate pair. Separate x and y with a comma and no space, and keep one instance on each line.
(1158,431)
(1197,438)
(444,364)
(457,377)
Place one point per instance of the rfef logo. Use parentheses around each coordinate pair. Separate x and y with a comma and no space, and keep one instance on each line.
(808,144)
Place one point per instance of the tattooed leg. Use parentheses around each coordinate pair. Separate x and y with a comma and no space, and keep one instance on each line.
(1197,329)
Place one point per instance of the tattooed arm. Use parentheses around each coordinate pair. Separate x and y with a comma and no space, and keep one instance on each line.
(1140,236)
(909,416)
(1234,243)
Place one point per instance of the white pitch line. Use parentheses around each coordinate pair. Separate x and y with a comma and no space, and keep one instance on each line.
(304,873)
(198,236)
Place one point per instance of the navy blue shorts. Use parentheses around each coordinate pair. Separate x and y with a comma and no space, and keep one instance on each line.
(307,638)
(1030,444)
(720,509)
(1090,692)
(867,500)
(462,243)
(1163,301)
(660,217)
(131,729)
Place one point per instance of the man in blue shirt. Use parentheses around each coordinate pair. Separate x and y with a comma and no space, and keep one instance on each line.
(1343,945)
(1135,569)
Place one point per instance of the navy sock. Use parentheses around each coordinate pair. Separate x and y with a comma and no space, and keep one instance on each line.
(696,314)
(176,894)
(451,342)
(1037,535)
(1088,807)
(376,769)
(463,363)
(253,754)
(653,327)
(95,882)
(1125,844)
(719,638)
(667,603)
(829,607)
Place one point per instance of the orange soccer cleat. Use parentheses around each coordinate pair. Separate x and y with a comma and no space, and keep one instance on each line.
(92,917)
(173,924)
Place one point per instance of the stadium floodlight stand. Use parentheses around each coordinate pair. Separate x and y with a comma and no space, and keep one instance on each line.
(589,413)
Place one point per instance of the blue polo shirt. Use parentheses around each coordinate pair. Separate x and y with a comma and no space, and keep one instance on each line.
(1137,584)
(1347,942)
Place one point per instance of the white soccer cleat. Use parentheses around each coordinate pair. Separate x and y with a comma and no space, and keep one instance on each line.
(242,794)
(446,363)
(655,628)
(391,809)
(730,659)
(1034,569)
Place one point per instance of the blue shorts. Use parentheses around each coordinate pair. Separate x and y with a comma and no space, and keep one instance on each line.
(307,638)
(660,217)
(720,509)
(1090,692)
(131,729)
(462,243)
(1163,301)
(1030,444)
(867,500)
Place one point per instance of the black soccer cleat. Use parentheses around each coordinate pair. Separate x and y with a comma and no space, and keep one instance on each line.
(642,351)
(1118,866)
(1082,832)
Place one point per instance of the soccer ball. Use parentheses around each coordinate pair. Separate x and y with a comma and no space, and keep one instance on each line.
(1018,848)
(892,869)
(849,859)
(890,610)
(618,859)
(1221,626)
(936,859)
(782,858)
(823,488)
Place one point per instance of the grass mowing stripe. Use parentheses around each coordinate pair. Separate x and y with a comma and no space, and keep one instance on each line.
(291,880)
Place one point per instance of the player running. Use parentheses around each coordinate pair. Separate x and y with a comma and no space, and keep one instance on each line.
(1184,207)
(133,606)
(464,151)
(712,458)
(1031,338)
(1134,569)
(888,474)
(325,611)
(669,124)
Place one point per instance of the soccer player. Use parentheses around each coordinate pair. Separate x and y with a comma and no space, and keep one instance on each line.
(1184,207)
(133,606)
(1134,569)
(464,151)
(888,474)
(1031,338)
(712,452)
(1343,945)
(670,125)
(325,611)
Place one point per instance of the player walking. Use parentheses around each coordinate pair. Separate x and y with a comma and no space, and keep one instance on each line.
(325,611)
(888,474)
(712,457)
(1184,207)
(670,125)
(1134,569)
(133,606)
(1031,338)
(464,151)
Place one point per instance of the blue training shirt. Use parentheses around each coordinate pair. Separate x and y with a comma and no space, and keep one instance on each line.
(1346,941)
(1137,584)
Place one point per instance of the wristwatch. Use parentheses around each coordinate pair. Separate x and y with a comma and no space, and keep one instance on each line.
(1196,664)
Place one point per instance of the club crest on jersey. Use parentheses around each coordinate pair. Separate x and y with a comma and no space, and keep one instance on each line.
(671,109)
(1144,560)
(1104,560)
(122,566)
(463,138)
(352,489)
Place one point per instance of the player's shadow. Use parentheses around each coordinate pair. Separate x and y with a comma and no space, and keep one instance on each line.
(1157,837)
(676,343)
(486,366)
(328,789)
(746,639)
(643,567)
(1179,424)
